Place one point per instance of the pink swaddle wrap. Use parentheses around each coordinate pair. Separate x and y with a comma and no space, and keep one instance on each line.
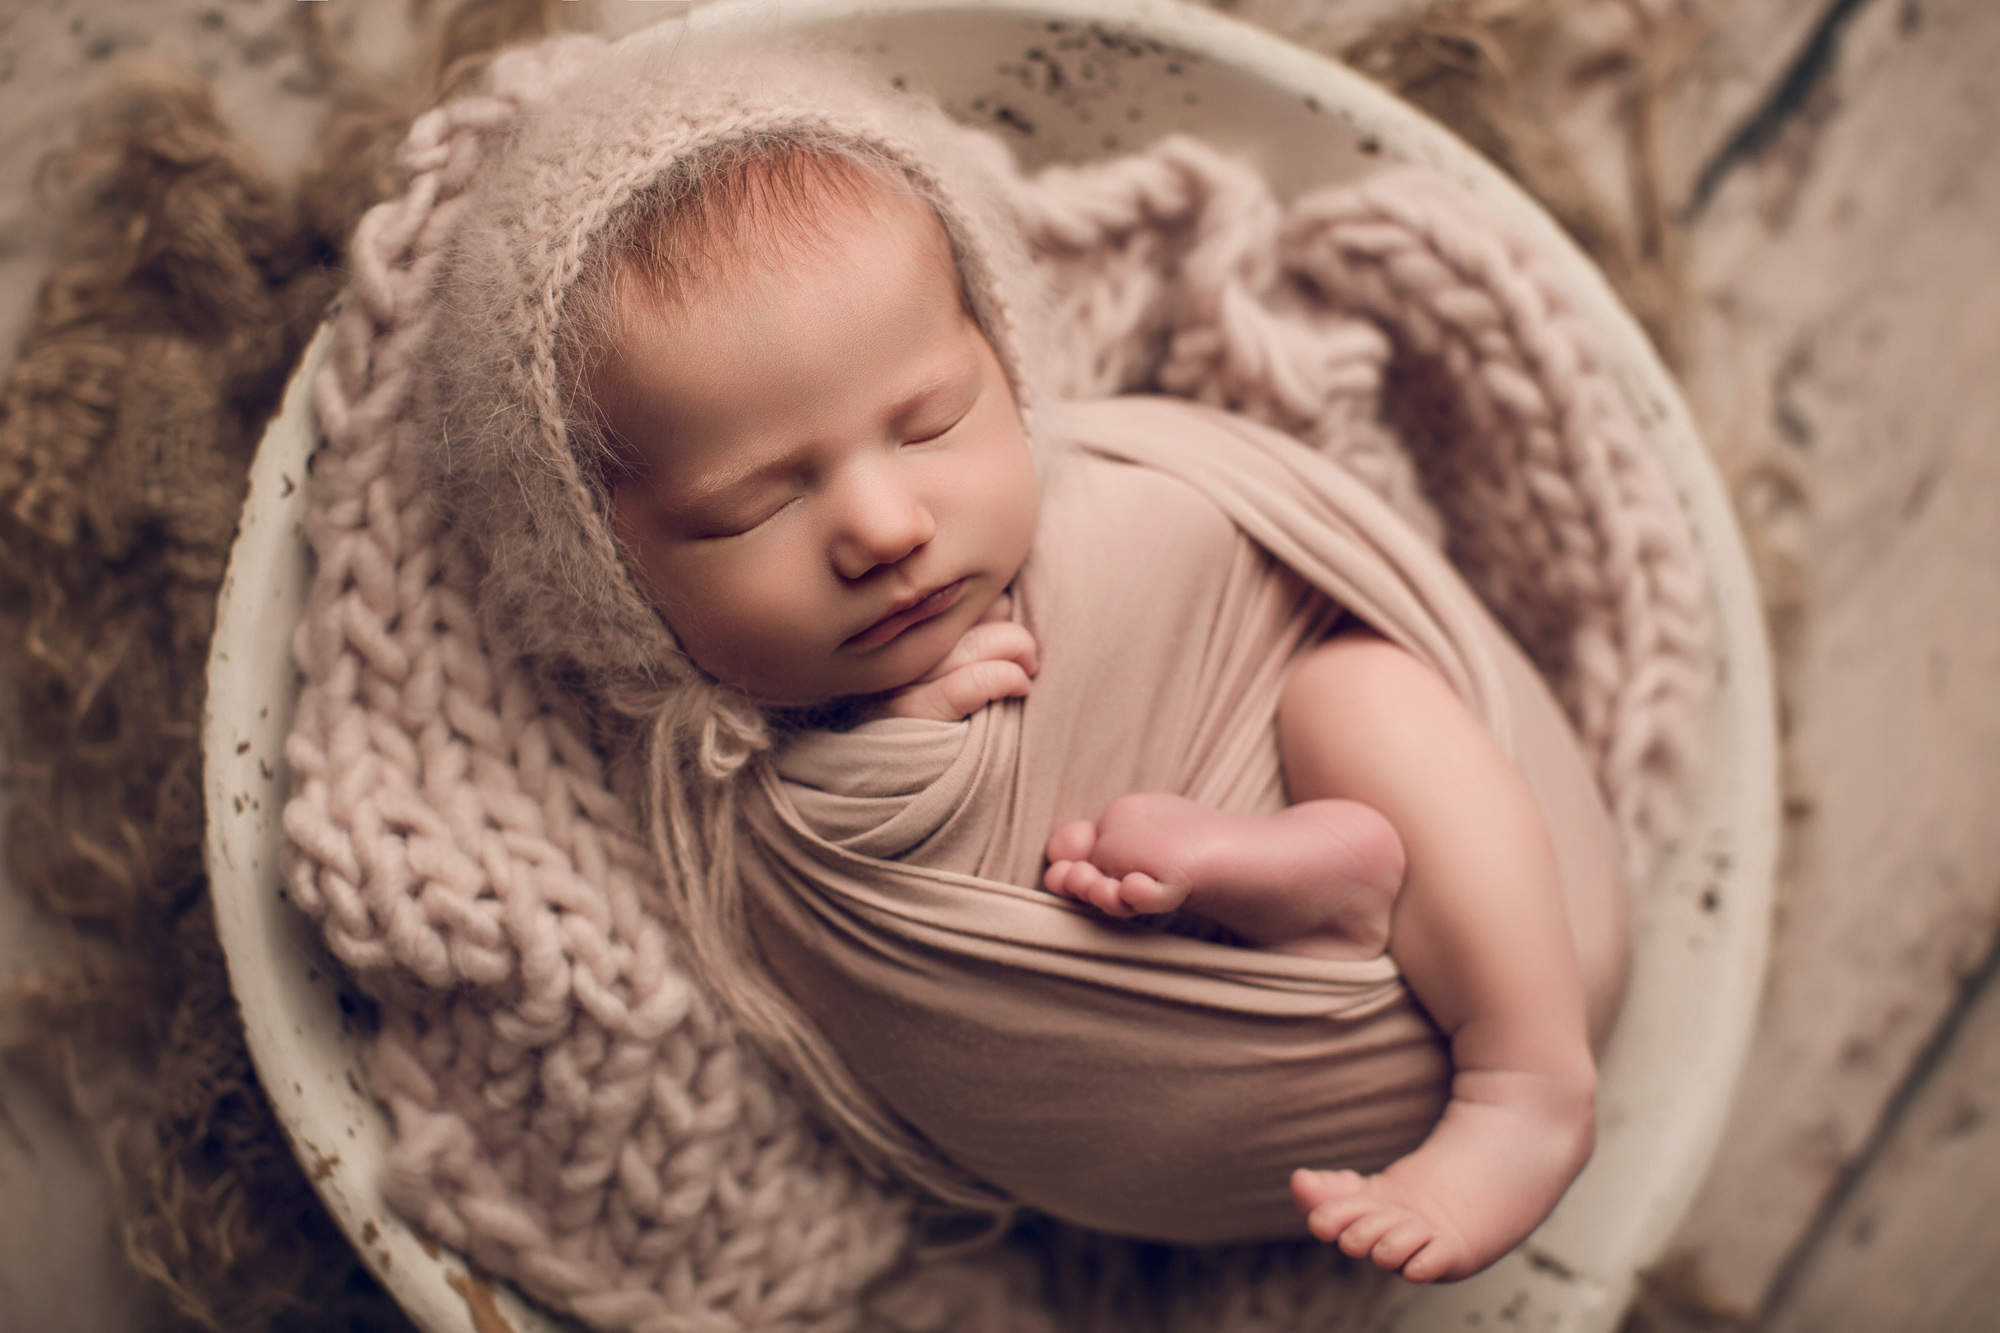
(1146,1083)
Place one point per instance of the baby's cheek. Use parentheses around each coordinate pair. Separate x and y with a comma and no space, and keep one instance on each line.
(763,625)
(632,524)
(1024,509)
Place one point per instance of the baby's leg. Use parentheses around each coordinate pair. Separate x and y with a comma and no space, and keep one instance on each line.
(1481,934)
(1318,878)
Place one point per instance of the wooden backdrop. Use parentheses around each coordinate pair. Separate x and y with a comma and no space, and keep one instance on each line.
(1803,197)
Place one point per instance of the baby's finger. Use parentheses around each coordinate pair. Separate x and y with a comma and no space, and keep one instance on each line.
(1427,1263)
(1330,1220)
(1082,882)
(1358,1238)
(1075,880)
(1106,894)
(1072,842)
(970,688)
(959,695)
(995,641)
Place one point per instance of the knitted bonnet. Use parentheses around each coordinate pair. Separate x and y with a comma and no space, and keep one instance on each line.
(514,472)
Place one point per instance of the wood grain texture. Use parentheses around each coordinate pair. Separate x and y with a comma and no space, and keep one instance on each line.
(1917,1244)
(1848,340)
(1739,65)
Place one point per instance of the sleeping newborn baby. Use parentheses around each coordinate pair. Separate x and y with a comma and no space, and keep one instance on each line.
(818,472)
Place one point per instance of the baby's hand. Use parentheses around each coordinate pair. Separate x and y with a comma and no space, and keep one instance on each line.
(992,660)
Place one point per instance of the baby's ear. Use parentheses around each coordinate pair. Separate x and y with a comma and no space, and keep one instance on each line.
(599,448)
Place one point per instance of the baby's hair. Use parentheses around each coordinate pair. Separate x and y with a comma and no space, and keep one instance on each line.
(758,201)
(742,206)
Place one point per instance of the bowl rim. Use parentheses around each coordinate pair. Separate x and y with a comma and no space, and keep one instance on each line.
(1577,1271)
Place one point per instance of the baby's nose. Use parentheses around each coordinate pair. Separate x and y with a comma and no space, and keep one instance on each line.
(883,521)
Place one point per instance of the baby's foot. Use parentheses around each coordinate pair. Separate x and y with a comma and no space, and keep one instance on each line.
(1485,1178)
(1317,878)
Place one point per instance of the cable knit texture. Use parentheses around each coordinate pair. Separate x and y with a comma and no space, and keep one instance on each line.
(573,1108)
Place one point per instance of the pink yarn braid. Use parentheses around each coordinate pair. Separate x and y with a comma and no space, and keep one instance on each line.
(1557,514)
(1166,269)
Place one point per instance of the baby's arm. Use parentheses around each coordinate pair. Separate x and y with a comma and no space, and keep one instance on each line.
(1481,934)
(993,660)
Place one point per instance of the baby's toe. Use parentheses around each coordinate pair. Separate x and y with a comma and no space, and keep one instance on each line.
(1360,1237)
(1431,1262)
(1143,894)
(1407,1237)
(1073,841)
(1312,1188)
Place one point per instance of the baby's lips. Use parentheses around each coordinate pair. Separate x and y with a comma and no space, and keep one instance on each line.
(890,626)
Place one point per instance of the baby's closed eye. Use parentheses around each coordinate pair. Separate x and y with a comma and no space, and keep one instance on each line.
(739,518)
(926,432)
(935,410)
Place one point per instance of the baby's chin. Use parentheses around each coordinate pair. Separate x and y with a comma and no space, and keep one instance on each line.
(840,712)
(850,690)
(857,704)
(849,701)
(843,713)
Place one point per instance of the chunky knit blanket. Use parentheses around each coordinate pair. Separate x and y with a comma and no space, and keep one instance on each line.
(571,1109)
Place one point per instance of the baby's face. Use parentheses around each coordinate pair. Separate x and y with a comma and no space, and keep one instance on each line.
(832,482)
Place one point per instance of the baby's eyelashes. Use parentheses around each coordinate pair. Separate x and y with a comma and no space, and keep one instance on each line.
(722,528)
(937,409)
(931,432)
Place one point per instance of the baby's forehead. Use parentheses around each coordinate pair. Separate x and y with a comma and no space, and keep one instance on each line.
(870,296)
(893,236)
(716,240)
(766,214)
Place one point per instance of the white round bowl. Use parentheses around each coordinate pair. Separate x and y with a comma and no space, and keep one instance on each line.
(1135,70)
